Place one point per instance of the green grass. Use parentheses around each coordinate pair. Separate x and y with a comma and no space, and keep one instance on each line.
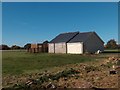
(17,62)
(112,51)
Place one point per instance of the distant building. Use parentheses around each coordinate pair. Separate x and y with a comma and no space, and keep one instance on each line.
(40,47)
(76,43)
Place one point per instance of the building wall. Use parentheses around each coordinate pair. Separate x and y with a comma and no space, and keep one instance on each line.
(51,47)
(60,47)
(93,43)
(75,48)
(45,47)
(35,48)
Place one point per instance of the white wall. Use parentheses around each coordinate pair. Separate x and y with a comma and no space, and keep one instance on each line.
(75,48)
(60,47)
(51,47)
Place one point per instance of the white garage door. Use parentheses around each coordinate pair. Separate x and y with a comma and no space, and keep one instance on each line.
(75,48)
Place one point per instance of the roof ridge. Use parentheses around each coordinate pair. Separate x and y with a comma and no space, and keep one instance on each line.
(78,32)
(70,32)
(87,32)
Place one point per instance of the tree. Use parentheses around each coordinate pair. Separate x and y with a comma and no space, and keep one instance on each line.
(46,42)
(27,46)
(15,47)
(4,47)
(111,44)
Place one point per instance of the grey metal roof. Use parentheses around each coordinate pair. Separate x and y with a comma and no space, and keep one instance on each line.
(64,37)
(73,37)
(81,37)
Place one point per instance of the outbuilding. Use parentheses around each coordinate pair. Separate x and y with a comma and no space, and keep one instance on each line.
(76,43)
(39,47)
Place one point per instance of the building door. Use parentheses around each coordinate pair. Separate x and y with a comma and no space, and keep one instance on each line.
(75,48)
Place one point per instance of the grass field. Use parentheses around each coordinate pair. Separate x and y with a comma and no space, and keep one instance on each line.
(20,66)
(112,51)
(17,62)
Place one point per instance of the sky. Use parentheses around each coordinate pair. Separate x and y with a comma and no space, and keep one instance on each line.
(30,22)
(0,22)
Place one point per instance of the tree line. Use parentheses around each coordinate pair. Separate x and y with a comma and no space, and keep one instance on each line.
(111,44)
(16,47)
(13,47)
